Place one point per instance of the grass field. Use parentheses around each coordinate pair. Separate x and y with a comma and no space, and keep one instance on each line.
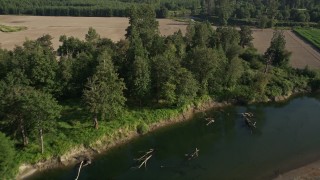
(4,28)
(310,34)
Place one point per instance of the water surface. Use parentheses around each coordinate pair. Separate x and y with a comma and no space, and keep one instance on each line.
(287,136)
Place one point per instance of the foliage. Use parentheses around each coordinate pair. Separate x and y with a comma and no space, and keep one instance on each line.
(7,154)
(166,74)
(276,54)
(103,94)
(142,128)
(6,29)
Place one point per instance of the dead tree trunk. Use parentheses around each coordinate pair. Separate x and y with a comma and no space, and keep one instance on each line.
(41,140)
(145,158)
(23,132)
(79,170)
(95,122)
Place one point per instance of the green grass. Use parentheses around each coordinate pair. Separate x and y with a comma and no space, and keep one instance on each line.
(312,35)
(75,128)
(4,28)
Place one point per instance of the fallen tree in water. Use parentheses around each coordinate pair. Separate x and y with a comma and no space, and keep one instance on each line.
(145,158)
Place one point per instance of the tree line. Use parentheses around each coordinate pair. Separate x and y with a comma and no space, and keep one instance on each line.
(266,11)
(144,69)
(97,8)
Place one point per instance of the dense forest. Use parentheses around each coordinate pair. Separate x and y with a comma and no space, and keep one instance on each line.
(144,72)
(265,13)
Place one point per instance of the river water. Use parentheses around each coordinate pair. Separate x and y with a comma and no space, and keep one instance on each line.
(287,136)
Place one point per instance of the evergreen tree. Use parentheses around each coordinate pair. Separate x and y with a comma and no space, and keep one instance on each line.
(103,94)
(276,54)
(245,36)
(142,22)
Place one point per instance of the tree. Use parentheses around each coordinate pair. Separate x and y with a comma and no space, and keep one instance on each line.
(41,109)
(227,38)
(163,70)
(245,36)
(202,33)
(186,86)
(225,9)
(138,69)
(276,54)
(263,21)
(38,63)
(103,94)
(12,90)
(7,153)
(92,36)
(234,72)
(202,62)
(143,23)
(141,78)
(25,109)
(272,9)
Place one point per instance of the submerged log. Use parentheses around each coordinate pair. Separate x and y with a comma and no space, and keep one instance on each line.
(210,120)
(144,158)
(247,116)
(193,155)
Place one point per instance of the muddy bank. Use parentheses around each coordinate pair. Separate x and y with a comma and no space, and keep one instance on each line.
(309,171)
(105,143)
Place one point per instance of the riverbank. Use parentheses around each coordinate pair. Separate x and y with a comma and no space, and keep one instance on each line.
(309,171)
(123,136)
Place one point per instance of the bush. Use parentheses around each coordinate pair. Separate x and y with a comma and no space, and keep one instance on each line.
(142,128)
(7,155)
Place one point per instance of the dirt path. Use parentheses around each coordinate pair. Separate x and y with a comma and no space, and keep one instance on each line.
(302,53)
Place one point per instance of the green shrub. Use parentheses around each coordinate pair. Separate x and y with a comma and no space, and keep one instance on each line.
(142,128)
(7,153)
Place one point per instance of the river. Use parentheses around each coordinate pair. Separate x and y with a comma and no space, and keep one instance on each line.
(287,136)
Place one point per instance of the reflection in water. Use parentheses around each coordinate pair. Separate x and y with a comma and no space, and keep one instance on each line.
(286,137)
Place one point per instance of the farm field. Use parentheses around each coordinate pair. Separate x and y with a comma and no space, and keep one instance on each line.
(302,53)
(111,27)
(311,35)
(114,28)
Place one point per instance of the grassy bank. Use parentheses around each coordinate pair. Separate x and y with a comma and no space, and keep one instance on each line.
(4,28)
(75,129)
(312,35)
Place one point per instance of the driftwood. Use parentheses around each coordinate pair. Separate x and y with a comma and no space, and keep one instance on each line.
(83,163)
(145,158)
(79,170)
(247,117)
(193,155)
(210,120)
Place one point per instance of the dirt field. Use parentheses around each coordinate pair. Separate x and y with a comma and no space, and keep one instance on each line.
(114,28)
(302,53)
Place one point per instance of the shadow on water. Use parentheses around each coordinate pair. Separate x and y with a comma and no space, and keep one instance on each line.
(285,138)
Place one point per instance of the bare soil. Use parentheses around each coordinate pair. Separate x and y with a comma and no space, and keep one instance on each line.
(303,53)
